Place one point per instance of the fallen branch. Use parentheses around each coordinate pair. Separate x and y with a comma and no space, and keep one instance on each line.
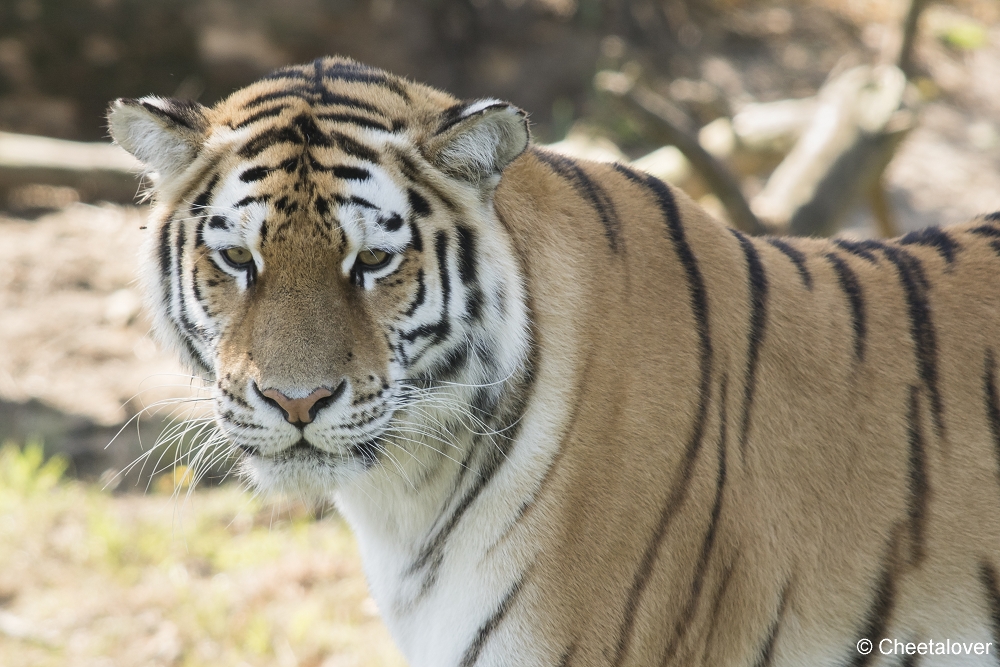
(97,171)
(675,129)
(840,157)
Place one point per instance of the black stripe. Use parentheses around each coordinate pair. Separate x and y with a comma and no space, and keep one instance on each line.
(418,204)
(451,116)
(333,99)
(218,222)
(767,650)
(352,119)
(589,190)
(358,73)
(322,205)
(919,487)
(876,620)
(991,586)
(178,112)
(467,272)
(911,276)
(392,224)
(442,328)
(757,285)
(313,96)
(852,289)
(432,556)
(493,622)
(354,147)
(199,234)
(699,306)
(936,238)
(310,131)
(992,217)
(910,660)
(491,457)
(300,92)
(354,199)
(988,231)
(992,399)
(246,201)
(466,254)
(863,249)
(416,240)
(268,138)
(345,172)
(181,318)
(238,400)
(201,201)
(528,504)
(260,115)
(196,291)
(285,206)
(164,251)
(254,174)
(798,258)
(720,595)
(411,171)
(419,298)
(454,360)
(684,620)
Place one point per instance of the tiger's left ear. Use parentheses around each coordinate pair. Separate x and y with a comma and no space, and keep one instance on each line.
(164,134)
(477,140)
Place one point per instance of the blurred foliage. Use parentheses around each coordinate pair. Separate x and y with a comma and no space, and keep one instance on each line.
(25,472)
(963,34)
(61,61)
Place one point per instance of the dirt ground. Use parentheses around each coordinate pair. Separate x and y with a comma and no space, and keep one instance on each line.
(76,360)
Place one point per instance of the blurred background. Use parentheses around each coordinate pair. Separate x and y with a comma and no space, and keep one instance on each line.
(862,118)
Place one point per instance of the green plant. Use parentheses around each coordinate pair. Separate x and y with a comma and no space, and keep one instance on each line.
(25,471)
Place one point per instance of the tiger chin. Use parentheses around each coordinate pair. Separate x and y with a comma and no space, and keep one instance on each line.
(571,419)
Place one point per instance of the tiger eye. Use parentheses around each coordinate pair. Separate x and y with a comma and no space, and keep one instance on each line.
(372,257)
(238,256)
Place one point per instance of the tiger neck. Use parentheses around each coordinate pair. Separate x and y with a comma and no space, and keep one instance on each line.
(446,490)
(428,543)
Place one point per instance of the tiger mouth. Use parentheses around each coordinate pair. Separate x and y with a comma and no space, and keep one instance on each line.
(366,451)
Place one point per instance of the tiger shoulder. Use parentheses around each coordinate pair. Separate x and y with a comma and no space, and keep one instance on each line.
(573,420)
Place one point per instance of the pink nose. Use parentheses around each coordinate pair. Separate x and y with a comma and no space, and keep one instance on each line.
(298,410)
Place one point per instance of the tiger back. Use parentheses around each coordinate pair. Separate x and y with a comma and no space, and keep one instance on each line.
(571,419)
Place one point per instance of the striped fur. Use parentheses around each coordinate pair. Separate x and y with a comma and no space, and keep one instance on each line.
(572,420)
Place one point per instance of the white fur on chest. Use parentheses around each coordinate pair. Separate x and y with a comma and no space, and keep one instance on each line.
(481,561)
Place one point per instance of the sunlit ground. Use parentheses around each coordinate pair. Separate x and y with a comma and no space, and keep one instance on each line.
(217,578)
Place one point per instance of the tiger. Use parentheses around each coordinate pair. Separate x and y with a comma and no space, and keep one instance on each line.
(572,419)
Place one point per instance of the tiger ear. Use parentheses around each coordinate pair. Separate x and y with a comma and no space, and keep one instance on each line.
(164,134)
(476,140)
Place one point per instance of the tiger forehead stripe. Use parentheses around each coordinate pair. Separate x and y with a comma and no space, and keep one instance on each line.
(341,71)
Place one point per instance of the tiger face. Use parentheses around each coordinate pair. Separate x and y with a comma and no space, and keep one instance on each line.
(334,268)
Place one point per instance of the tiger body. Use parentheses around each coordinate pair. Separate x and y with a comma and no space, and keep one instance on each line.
(571,419)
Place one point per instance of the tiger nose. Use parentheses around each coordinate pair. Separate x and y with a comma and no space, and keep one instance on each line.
(299,411)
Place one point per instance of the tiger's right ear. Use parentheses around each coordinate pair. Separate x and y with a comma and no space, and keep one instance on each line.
(164,134)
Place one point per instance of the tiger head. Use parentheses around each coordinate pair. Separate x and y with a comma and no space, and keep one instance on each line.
(324,250)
